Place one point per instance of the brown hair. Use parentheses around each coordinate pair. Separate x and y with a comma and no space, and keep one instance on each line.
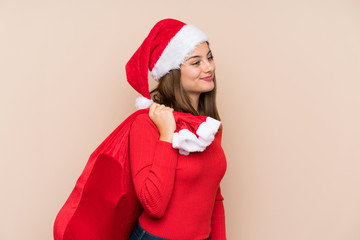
(170,92)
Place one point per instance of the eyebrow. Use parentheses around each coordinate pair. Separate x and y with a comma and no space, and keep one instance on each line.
(197,56)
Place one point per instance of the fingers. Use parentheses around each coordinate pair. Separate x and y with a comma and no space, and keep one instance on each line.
(156,108)
(152,108)
(164,120)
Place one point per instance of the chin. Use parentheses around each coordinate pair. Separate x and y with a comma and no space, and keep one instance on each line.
(209,89)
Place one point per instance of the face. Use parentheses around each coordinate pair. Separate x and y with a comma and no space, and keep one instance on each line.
(198,71)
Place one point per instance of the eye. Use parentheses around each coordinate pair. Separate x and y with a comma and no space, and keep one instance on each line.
(196,63)
(211,58)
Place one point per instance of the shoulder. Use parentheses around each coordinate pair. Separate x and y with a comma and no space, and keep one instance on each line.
(143,118)
(144,123)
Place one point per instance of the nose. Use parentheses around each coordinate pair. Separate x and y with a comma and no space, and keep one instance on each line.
(209,66)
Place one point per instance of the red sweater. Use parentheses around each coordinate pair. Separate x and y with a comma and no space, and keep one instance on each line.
(180,194)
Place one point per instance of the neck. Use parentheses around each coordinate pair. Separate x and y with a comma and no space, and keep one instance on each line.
(194,100)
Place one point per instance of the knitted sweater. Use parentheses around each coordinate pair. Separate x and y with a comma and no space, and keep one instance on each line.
(180,194)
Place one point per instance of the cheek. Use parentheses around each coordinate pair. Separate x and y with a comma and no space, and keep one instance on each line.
(190,74)
(189,77)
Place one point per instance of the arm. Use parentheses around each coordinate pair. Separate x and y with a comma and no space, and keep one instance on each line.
(153,165)
(218,219)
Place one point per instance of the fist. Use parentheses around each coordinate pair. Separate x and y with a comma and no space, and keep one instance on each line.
(164,120)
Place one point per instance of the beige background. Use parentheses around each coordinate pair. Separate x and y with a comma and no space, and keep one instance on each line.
(288,75)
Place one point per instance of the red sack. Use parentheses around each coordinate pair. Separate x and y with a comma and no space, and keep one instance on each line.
(103,204)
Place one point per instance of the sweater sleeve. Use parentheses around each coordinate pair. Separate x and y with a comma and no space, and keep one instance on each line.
(153,166)
(218,219)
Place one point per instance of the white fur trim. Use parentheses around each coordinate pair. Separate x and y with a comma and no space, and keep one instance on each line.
(143,102)
(179,47)
(187,142)
(183,152)
(208,129)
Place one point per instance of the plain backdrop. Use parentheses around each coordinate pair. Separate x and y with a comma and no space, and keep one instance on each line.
(288,76)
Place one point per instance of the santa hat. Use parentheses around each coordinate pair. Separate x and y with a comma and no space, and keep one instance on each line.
(165,48)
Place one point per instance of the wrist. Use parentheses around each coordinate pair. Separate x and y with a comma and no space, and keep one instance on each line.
(166,138)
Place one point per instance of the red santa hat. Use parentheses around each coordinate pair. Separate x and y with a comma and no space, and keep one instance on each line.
(165,48)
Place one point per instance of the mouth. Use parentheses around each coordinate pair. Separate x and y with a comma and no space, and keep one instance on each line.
(208,79)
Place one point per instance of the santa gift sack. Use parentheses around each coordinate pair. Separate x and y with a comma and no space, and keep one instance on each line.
(103,204)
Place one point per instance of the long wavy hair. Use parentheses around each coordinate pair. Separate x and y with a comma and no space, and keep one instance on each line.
(170,92)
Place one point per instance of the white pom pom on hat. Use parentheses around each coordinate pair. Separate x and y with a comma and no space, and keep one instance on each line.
(165,48)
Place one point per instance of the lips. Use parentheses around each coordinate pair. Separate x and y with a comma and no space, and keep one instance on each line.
(208,79)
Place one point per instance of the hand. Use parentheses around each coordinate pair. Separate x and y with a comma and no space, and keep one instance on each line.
(164,120)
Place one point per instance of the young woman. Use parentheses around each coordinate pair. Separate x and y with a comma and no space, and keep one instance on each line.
(180,194)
